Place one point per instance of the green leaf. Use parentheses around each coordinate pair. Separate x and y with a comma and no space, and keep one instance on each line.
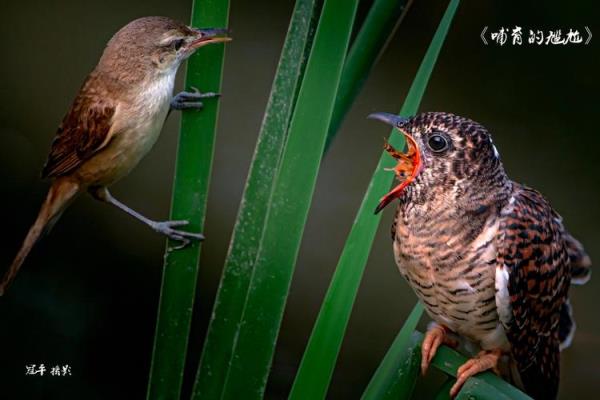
(444,392)
(377,30)
(194,159)
(397,374)
(479,389)
(481,385)
(248,230)
(290,201)
(326,339)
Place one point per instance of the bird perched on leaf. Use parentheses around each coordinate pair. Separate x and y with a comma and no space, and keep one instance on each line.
(116,118)
(489,258)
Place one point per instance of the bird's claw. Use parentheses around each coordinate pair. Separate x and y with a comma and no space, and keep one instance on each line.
(191,99)
(436,335)
(486,359)
(166,228)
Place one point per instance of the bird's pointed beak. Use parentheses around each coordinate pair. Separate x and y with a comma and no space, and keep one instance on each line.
(206,36)
(409,163)
(390,119)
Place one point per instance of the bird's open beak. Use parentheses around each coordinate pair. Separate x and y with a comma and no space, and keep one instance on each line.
(409,163)
(209,35)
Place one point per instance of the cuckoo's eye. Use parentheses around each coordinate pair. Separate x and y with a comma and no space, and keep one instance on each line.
(177,43)
(437,143)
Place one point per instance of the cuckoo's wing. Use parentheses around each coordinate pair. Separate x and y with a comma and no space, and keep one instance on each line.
(533,259)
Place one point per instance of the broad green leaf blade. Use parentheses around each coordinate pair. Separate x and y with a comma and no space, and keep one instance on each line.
(370,43)
(448,361)
(194,160)
(397,374)
(289,205)
(395,377)
(326,339)
(444,392)
(249,226)
(478,389)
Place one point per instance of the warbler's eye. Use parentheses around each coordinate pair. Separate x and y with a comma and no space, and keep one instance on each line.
(437,143)
(177,43)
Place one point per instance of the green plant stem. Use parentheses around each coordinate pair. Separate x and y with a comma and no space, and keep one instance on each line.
(290,201)
(193,166)
(483,385)
(444,391)
(326,339)
(397,374)
(371,41)
(248,230)
(372,37)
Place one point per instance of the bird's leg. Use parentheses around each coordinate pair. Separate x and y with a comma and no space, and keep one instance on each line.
(435,336)
(190,100)
(164,227)
(486,359)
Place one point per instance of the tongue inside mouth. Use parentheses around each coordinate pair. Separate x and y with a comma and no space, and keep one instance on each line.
(406,170)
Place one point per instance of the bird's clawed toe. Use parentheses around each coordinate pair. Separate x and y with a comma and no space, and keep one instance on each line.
(487,359)
(195,93)
(191,99)
(166,228)
(434,337)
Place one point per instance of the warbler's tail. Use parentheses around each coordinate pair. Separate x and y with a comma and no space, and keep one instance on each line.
(59,196)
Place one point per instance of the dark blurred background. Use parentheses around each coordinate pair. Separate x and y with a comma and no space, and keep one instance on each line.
(88,294)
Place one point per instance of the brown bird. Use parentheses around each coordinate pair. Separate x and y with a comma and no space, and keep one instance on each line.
(489,258)
(116,118)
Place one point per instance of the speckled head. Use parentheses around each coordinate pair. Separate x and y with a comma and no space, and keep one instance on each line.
(447,148)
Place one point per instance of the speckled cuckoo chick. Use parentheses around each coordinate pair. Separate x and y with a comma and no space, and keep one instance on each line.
(489,258)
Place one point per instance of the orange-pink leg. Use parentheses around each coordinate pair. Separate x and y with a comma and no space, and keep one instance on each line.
(486,359)
(435,336)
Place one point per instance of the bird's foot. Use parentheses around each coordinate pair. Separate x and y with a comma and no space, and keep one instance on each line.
(166,228)
(191,100)
(486,359)
(435,336)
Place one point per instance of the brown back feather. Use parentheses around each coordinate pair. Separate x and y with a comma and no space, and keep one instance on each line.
(533,249)
(83,131)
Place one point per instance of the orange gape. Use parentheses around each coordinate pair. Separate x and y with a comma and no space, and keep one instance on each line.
(408,167)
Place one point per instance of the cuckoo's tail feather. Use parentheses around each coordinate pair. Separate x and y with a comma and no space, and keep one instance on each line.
(581,264)
(61,193)
(540,378)
(566,325)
